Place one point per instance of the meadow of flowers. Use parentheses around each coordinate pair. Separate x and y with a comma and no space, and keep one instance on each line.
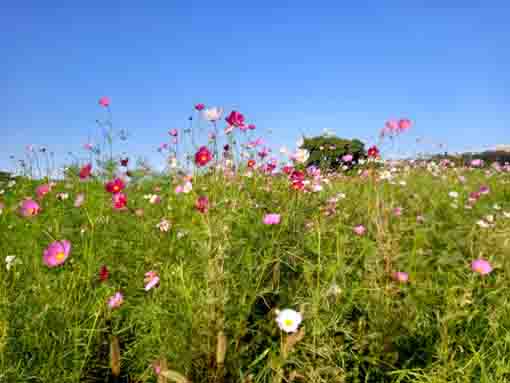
(238,266)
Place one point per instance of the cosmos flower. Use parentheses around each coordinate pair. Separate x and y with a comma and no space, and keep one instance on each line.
(288,320)
(151,279)
(163,225)
(124,162)
(476,163)
(251,127)
(56,253)
(212,114)
(104,101)
(400,276)
(104,273)
(373,152)
(202,204)
(301,156)
(29,208)
(481,266)
(173,132)
(359,230)
(85,171)
(62,196)
(10,261)
(199,107)
(119,201)
(80,198)
(2,206)
(115,186)
(404,125)
(235,119)
(42,190)
(347,158)
(271,219)
(116,300)
(203,156)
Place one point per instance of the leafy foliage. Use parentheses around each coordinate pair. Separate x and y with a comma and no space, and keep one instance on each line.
(326,151)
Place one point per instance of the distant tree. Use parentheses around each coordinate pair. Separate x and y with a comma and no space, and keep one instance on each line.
(327,151)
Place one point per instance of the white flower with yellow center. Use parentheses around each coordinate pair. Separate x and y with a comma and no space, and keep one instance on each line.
(288,320)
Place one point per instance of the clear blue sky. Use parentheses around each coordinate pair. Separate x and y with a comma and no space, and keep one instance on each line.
(292,67)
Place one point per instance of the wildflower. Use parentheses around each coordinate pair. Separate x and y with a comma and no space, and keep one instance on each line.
(235,119)
(202,204)
(124,162)
(173,133)
(80,198)
(484,190)
(2,206)
(29,208)
(481,266)
(203,156)
(404,125)
(347,158)
(397,212)
(88,146)
(476,163)
(116,300)
(251,163)
(400,276)
(56,253)
(163,225)
(104,273)
(104,101)
(453,194)
(151,280)
(288,320)
(62,196)
(42,190)
(359,230)
(506,214)
(119,201)
(301,156)
(199,107)
(10,261)
(85,171)
(373,152)
(271,219)
(420,219)
(252,127)
(212,114)
(115,186)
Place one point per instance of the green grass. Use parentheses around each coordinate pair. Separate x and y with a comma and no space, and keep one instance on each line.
(225,272)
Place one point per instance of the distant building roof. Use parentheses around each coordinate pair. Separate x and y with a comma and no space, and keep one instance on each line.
(503,148)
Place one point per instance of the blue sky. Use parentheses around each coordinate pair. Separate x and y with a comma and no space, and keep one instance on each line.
(290,67)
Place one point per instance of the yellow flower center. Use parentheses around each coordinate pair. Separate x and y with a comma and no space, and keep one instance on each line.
(31,211)
(288,322)
(60,256)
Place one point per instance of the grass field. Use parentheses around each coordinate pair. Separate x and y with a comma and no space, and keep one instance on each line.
(379,265)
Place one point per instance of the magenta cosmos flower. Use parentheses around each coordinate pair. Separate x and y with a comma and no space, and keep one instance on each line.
(271,219)
(29,208)
(56,253)
(104,101)
(481,266)
(119,201)
(116,300)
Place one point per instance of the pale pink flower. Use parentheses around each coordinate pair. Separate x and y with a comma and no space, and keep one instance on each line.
(116,300)
(400,276)
(359,230)
(80,198)
(151,280)
(163,225)
(271,219)
(481,266)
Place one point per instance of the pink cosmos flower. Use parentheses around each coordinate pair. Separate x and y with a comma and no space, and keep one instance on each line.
(88,146)
(56,253)
(252,127)
(347,158)
(202,204)
(2,206)
(86,171)
(476,163)
(400,276)
(173,133)
(80,198)
(271,219)
(29,208)
(151,280)
(104,101)
(199,107)
(404,125)
(484,190)
(115,186)
(359,230)
(119,201)
(116,300)
(397,212)
(481,266)
(42,190)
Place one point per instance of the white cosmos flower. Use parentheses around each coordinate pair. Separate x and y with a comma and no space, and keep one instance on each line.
(212,114)
(453,194)
(10,261)
(288,320)
(301,155)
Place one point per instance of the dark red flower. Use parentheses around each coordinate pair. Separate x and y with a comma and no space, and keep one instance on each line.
(199,107)
(251,163)
(298,185)
(202,204)
(115,186)
(297,175)
(124,162)
(288,169)
(203,156)
(103,273)
(85,171)
(235,119)
(373,152)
